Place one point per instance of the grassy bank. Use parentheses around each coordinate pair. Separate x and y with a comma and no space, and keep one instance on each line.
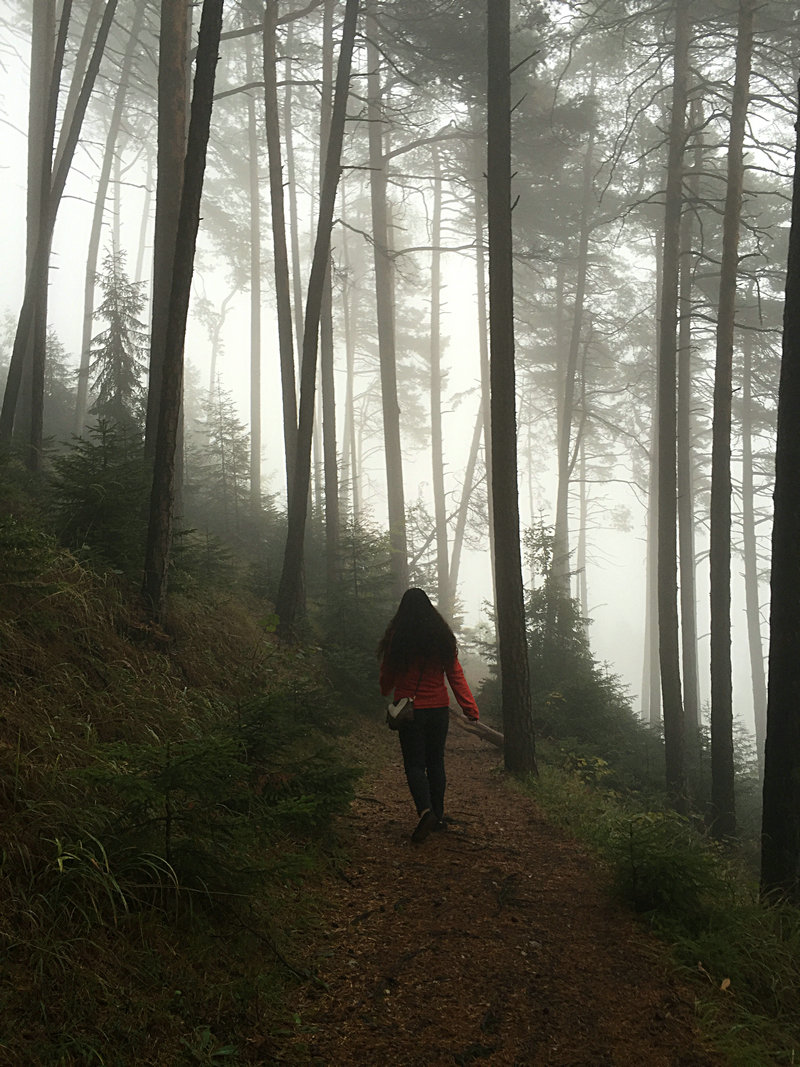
(163,796)
(741,957)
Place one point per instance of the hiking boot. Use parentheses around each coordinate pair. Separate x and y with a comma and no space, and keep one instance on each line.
(425,825)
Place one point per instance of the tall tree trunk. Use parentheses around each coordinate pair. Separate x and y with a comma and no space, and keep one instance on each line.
(751,584)
(330,458)
(95,232)
(780,826)
(529,463)
(466,494)
(444,591)
(38,267)
(667,424)
(255,292)
(116,210)
(40,147)
(279,250)
(291,183)
(351,469)
(327,383)
(686,540)
(35,399)
(42,46)
(566,451)
(583,518)
(291,574)
(651,672)
(216,342)
(519,747)
(159,532)
(79,71)
(723,801)
(483,342)
(385,315)
(316,501)
(173,64)
(145,220)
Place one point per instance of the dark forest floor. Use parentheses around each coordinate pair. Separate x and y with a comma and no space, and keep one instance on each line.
(495,942)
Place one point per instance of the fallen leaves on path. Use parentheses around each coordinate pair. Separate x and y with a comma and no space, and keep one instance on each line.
(495,942)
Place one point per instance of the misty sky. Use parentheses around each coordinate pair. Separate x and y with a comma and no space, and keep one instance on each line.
(616,566)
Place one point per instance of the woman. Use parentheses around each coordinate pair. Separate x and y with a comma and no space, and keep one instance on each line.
(417,652)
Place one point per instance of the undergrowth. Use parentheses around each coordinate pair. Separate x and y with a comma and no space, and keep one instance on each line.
(602,775)
(741,955)
(163,796)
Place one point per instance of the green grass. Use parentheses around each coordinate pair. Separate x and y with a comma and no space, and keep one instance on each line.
(741,956)
(164,797)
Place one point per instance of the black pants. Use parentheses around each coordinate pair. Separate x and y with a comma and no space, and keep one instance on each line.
(422,743)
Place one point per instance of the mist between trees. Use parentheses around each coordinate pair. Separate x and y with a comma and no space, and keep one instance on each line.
(266,249)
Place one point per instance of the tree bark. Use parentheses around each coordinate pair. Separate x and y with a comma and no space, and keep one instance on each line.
(38,268)
(79,71)
(291,574)
(159,532)
(483,346)
(566,451)
(40,147)
(279,249)
(255,293)
(173,64)
(444,592)
(330,458)
(351,468)
(327,382)
(583,518)
(145,220)
(466,494)
(750,550)
(519,749)
(667,424)
(780,826)
(42,44)
(385,315)
(686,540)
(291,183)
(723,800)
(651,671)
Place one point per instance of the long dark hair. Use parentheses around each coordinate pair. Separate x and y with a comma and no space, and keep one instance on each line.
(417,634)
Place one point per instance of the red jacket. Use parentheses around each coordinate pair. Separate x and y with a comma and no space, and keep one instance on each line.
(428,687)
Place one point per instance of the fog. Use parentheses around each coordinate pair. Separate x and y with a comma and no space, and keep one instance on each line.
(625,201)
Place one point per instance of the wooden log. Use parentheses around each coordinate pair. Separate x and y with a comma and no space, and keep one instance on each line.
(480,729)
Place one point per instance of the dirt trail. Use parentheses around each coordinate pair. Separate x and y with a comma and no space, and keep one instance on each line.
(492,943)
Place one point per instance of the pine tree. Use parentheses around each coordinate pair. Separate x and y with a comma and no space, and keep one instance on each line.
(59,391)
(99,495)
(218,467)
(119,352)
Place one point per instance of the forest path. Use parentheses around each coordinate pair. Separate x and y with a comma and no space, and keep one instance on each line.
(492,943)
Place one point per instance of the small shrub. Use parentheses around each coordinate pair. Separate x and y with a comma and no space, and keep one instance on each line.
(665,868)
(576,701)
(355,614)
(100,492)
(204,810)
(743,957)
